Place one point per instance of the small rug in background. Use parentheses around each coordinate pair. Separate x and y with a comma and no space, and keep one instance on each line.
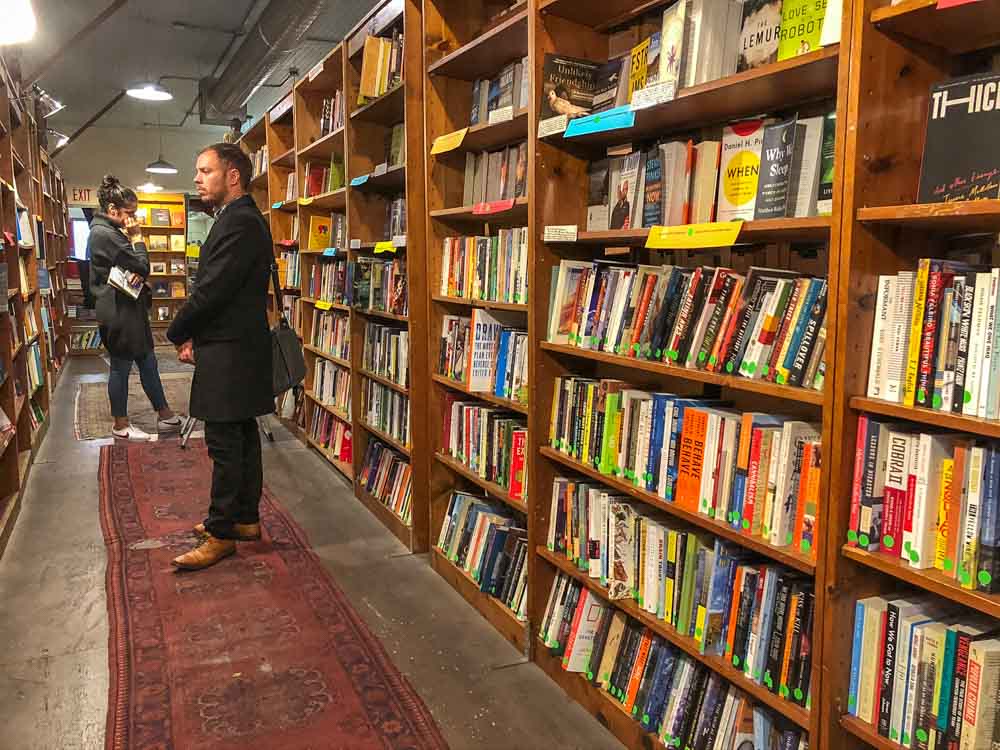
(166,360)
(93,418)
(263,650)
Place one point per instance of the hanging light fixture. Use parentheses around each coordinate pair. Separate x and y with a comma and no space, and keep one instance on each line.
(149,91)
(149,187)
(161,165)
(61,139)
(47,105)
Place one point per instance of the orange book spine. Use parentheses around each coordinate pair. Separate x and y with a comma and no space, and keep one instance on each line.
(800,501)
(734,607)
(641,312)
(575,627)
(638,668)
(786,649)
(690,458)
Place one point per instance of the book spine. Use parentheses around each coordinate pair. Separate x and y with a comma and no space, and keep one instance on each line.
(932,311)
(916,328)
(888,669)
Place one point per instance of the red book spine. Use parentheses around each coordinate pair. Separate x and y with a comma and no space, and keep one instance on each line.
(936,282)
(859,470)
(753,472)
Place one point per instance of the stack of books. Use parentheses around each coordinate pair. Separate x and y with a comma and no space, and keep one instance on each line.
(381,66)
(332,385)
(387,352)
(331,333)
(386,410)
(491,268)
(510,88)
(386,475)
(496,175)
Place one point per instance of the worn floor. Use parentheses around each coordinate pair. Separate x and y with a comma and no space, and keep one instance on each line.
(53,617)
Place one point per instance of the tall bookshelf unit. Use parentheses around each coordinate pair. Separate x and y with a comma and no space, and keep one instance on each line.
(900,51)
(167,254)
(465,41)
(33,346)
(291,133)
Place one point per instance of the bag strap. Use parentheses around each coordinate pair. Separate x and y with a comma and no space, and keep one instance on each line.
(278,293)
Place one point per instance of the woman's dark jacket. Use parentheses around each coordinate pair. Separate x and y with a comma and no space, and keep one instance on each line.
(124,322)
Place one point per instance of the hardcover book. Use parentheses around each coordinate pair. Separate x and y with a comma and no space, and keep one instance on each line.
(567,86)
(781,155)
(759,34)
(801,27)
(739,170)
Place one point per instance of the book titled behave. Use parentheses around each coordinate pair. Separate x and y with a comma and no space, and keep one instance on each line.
(961,150)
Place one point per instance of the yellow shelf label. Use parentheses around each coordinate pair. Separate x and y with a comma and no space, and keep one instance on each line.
(321,305)
(384,247)
(305,201)
(694,236)
(448,142)
(193,251)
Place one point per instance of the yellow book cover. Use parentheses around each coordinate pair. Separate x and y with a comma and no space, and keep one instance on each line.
(944,505)
(319,232)
(969,546)
(556,386)
(587,419)
(668,583)
(638,67)
(916,330)
(641,562)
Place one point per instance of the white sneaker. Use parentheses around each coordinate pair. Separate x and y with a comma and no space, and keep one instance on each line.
(131,433)
(170,425)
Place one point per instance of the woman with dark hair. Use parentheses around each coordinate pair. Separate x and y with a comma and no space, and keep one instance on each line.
(116,240)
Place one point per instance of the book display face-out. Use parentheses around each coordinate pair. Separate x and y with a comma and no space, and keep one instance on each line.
(163,217)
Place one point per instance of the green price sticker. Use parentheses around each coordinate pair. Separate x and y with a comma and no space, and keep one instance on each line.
(746,524)
(863,540)
(798,694)
(711,512)
(659,353)
(636,348)
(764,370)
(756,674)
(922,734)
(936,401)
(805,545)
(852,701)
(984,577)
(779,379)
(888,541)
(906,738)
(729,367)
(964,578)
(702,356)
(966,397)
(914,556)
(712,360)
(765,530)
(852,536)
(788,538)
(645,719)
(893,734)
(948,564)
(672,355)
(783,691)
(736,660)
(697,632)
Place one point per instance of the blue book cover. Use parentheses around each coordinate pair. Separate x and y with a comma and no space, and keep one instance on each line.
(947,678)
(988,576)
(859,632)
(499,379)
(652,713)
(718,598)
(660,402)
(770,593)
(800,325)
(493,550)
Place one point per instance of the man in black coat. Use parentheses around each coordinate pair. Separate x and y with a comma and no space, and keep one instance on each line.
(223,329)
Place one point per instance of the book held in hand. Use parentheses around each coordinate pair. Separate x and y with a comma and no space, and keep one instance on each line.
(125,281)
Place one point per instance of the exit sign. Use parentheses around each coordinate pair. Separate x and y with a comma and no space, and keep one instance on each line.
(82,196)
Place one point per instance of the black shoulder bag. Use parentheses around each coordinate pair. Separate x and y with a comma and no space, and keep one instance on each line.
(288,361)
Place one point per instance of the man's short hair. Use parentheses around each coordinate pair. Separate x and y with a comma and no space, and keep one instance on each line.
(233,157)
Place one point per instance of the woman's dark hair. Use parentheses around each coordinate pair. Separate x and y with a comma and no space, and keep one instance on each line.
(113,193)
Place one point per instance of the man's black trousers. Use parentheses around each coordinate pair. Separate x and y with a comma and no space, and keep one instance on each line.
(237,475)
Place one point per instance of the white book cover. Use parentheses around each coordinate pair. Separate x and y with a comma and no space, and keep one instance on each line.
(878,361)
(642,446)
(558,487)
(739,168)
(771,487)
(654,540)
(557,610)
(993,390)
(730,447)
(899,337)
(676,182)
(904,644)
(969,544)
(802,200)
(672,44)
(830,33)
(933,449)
(708,461)
(977,335)
(623,292)
(594,531)
(754,354)
(668,421)
(564,305)
(985,367)
(125,281)
(705,181)
(485,335)
(583,644)
(625,171)
(875,607)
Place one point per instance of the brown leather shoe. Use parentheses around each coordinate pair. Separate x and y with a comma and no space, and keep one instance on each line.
(208,553)
(245,532)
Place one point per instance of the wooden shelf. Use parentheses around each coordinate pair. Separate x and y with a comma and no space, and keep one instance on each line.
(492,489)
(483,304)
(333,305)
(153,228)
(260,181)
(504,403)
(939,218)
(335,411)
(599,15)
(326,355)
(808,229)
(777,86)
(387,110)
(718,664)
(380,314)
(518,213)
(957,30)
(866,732)
(801,395)
(390,520)
(486,137)
(343,467)
(385,437)
(334,200)
(492,609)
(391,181)
(384,381)
(930,580)
(932,417)
(289,207)
(784,555)
(325,147)
(488,53)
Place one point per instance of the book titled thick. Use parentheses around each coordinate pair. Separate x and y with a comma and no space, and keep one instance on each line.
(961,154)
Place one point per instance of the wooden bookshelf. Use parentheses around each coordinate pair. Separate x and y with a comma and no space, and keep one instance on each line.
(176,204)
(464,40)
(963,28)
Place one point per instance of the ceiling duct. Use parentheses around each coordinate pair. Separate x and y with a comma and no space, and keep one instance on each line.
(279,30)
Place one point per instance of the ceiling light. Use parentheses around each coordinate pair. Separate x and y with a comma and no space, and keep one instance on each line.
(61,139)
(161,166)
(47,105)
(149,187)
(19,22)
(149,92)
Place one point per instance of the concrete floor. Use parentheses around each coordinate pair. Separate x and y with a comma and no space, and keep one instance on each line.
(53,621)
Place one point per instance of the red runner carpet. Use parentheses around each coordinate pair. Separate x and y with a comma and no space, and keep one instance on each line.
(260,652)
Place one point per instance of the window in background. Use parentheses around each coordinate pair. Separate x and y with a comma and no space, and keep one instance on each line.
(81,231)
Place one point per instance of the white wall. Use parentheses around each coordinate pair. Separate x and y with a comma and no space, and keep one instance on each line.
(125,152)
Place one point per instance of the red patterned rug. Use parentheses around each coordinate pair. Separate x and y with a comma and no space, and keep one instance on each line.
(262,651)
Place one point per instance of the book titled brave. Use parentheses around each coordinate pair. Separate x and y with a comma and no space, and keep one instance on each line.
(961,150)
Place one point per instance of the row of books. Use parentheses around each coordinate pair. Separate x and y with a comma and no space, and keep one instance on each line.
(332,434)
(172,289)
(386,476)
(291,308)
(386,410)
(924,674)
(332,385)
(689,43)
(930,498)
(769,324)
(680,182)
(488,440)
(331,333)
(324,231)
(381,66)
(496,175)
(259,160)
(289,269)
(35,416)
(488,543)
(510,89)
(331,116)
(487,352)
(387,352)
(493,268)
(395,217)
(759,473)
(328,280)
(936,339)
(35,367)
(395,146)
(380,285)
(682,701)
(162,243)
(323,177)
